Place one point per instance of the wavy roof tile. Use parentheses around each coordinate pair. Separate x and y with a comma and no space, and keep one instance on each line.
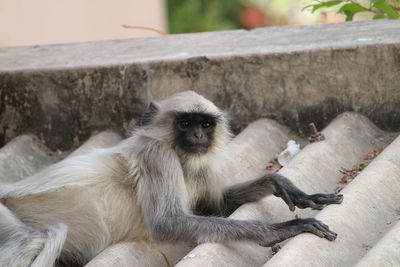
(367,222)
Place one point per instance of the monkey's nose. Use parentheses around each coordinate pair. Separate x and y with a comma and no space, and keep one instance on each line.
(198,135)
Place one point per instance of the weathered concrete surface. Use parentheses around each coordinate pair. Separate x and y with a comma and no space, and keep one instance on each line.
(101,140)
(315,170)
(295,75)
(386,251)
(251,150)
(26,155)
(138,254)
(23,156)
(254,147)
(369,209)
(212,45)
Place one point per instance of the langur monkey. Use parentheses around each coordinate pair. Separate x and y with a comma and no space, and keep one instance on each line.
(164,183)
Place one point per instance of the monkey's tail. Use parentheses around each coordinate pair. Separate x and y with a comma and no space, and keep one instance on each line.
(55,237)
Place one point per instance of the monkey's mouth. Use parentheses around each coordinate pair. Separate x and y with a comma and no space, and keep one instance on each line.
(195,149)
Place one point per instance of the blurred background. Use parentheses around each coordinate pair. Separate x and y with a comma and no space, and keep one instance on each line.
(34,22)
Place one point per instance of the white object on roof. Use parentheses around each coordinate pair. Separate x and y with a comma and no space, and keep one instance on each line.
(286,155)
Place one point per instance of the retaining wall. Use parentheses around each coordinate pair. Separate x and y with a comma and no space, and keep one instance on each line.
(295,75)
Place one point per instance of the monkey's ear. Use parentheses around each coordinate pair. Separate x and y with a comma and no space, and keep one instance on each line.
(149,114)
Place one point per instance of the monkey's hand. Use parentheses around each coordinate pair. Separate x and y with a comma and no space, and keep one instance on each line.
(284,230)
(294,197)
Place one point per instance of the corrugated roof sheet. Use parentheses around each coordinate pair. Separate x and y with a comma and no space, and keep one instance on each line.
(367,222)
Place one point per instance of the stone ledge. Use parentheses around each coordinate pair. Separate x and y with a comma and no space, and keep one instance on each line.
(177,47)
(296,75)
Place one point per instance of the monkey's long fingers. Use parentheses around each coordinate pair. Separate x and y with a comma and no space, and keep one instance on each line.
(285,196)
(329,235)
(321,230)
(310,203)
(326,198)
(325,228)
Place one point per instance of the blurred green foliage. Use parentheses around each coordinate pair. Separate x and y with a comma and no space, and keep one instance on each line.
(185,16)
(381,9)
(202,15)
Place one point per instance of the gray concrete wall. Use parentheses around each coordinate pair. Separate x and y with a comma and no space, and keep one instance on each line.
(295,75)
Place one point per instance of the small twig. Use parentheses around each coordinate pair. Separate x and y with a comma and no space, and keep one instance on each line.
(315,135)
(313,129)
(143,28)
(165,258)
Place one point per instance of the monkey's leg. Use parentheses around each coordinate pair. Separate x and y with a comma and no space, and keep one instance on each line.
(14,238)
(23,246)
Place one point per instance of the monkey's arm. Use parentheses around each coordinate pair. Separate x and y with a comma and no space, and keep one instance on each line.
(278,185)
(162,196)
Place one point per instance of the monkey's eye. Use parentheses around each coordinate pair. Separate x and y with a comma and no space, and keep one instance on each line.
(184,123)
(206,125)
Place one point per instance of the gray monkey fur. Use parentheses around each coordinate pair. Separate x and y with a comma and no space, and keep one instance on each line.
(145,188)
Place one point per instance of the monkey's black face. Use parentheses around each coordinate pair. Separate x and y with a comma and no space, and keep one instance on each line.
(194,132)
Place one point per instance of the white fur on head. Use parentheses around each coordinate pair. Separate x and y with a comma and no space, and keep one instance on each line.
(189,101)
